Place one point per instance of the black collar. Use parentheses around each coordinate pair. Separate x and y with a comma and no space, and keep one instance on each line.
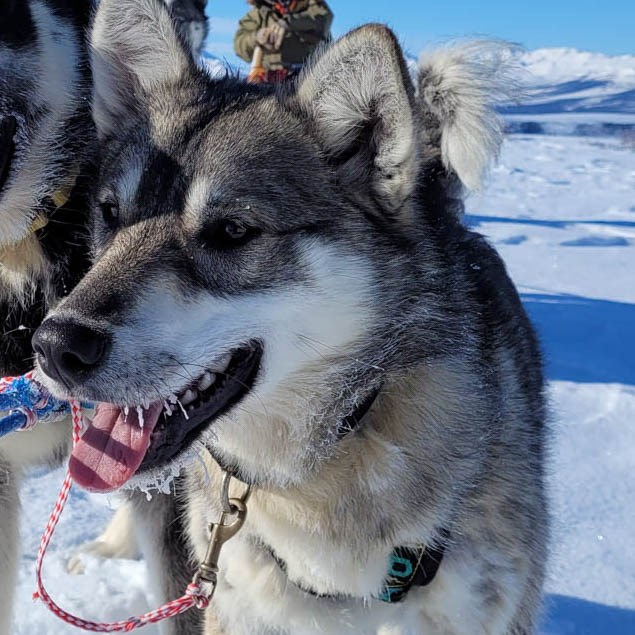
(353,421)
(408,567)
(412,567)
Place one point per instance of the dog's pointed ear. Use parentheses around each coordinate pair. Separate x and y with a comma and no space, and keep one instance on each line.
(135,50)
(360,99)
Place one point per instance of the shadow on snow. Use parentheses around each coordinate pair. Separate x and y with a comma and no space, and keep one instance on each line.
(573,616)
(473,220)
(585,340)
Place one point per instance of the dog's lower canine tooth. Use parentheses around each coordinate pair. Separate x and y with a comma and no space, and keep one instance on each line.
(206,381)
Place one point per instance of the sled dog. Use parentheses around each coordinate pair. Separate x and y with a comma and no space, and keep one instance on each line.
(47,144)
(47,172)
(283,281)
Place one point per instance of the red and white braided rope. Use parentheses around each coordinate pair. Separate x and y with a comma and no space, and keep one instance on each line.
(194,595)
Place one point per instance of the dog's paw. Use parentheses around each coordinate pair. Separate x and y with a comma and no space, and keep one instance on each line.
(76,564)
(117,541)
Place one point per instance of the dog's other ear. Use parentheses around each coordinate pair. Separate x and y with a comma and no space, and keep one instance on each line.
(135,50)
(459,88)
(360,99)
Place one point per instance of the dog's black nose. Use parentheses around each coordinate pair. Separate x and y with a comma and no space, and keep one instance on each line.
(68,351)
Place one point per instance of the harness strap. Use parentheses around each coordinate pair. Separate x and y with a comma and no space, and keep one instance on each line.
(59,199)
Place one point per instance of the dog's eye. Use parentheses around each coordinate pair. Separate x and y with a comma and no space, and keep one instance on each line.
(228,234)
(234,230)
(8,127)
(110,213)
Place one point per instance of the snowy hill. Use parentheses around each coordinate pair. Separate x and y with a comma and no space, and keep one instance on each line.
(575,92)
(594,86)
(564,80)
(213,65)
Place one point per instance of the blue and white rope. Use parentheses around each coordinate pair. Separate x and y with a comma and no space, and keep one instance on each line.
(24,403)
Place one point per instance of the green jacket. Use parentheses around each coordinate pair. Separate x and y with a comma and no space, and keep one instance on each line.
(309,24)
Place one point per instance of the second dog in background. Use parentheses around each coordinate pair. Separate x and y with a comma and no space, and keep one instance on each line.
(48,164)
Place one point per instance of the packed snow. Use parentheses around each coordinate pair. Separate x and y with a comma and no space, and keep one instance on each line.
(561,211)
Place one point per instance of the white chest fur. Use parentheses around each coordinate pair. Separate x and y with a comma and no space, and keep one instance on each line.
(255,594)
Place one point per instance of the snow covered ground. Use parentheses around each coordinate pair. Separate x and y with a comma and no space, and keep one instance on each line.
(561,210)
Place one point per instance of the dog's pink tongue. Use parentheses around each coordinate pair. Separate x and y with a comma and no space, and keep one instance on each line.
(112,448)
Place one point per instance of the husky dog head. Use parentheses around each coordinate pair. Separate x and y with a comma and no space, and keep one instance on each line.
(191,22)
(44,107)
(263,260)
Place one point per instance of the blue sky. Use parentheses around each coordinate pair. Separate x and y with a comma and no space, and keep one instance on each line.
(605,27)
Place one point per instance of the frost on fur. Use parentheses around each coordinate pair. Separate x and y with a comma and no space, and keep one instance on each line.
(458,87)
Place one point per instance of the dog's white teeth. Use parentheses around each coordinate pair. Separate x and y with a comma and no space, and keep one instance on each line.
(188,397)
(168,408)
(140,416)
(206,381)
(221,365)
(173,399)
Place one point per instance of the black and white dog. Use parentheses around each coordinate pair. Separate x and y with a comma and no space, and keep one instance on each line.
(290,266)
(47,166)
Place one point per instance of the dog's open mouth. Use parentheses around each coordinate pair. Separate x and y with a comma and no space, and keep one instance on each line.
(122,441)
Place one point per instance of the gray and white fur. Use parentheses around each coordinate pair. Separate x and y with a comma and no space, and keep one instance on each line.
(44,106)
(45,90)
(354,273)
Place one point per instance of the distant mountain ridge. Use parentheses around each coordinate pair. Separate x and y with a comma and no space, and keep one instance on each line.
(565,80)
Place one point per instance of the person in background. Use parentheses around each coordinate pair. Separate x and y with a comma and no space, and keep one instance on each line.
(286,32)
